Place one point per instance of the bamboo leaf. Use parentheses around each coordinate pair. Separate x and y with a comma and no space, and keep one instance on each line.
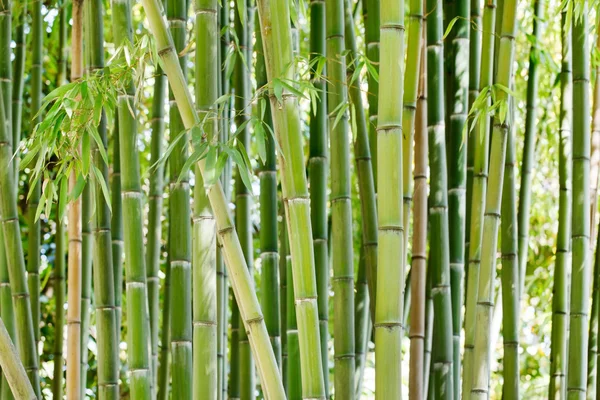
(450,26)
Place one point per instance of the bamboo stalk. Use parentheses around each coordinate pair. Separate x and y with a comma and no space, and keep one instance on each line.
(294,381)
(428,339)
(318,168)
(416,388)
(12,368)
(284,288)
(241,280)
(58,283)
(165,336)
(580,235)
(341,208)
(528,165)
(17,81)
(502,125)
(371,20)
(104,290)
(481,138)
(6,311)
(116,221)
(86,284)
(390,270)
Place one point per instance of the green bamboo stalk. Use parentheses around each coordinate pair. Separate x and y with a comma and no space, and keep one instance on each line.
(165,336)
(502,126)
(17,79)
(241,280)
(204,245)
(528,164)
(341,208)
(277,42)
(416,388)
(6,75)
(87,244)
(7,313)
(390,270)
(138,332)
(104,290)
(58,283)
(268,216)
(243,196)
(155,209)
(116,221)
(318,168)
(361,322)
(33,224)
(428,339)
(458,103)
(580,235)
(294,381)
(14,256)
(439,252)
(12,368)
(180,232)
(284,288)
(233,389)
(510,271)
(481,138)
(371,20)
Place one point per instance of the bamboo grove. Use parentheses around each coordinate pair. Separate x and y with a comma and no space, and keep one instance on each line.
(306,199)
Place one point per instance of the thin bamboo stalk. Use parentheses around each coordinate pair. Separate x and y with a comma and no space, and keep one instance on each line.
(87,244)
(439,251)
(17,80)
(502,125)
(510,270)
(284,287)
(268,216)
(294,381)
(6,311)
(371,20)
(427,381)
(116,221)
(416,387)
(165,336)
(528,164)
(104,290)
(58,283)
(341,208)
(481,138)
(204,245)
(241,280)
(34,225)
(318,168)
(12,368)
(580,235)
(361,322)
(6,75)
(390,270)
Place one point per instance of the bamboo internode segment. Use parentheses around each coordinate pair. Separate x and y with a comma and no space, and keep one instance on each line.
(12,369)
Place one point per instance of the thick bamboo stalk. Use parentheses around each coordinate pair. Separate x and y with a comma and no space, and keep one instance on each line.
(371,20)
(14,255)
(87,244)
(204,246)
(180,232)
(485,295)
(241,280)
(510,270)
(34,225)
(439,251)
(528,164)
(116,221)
(243,196)
(12,368)
(268,216)
(416,387)
(318,173)
(74,295)
(390,270)
(58,283)
(341,208)
(277,42)
(481,139)
(104,290)
(580,235)
(138,332)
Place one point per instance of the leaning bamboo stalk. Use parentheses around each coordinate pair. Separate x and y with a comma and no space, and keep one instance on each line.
(416,389)
(341,208)
(204,246)
(34,234)
(180,233)
(481,138)
(268,215)
(510,270)
(439,251)
(243,196)
(104,290)
(485,295)
(277,41)
(13,369)
(318,167)
(138,333)
(14,255)
(240,277)
(528,164)
(390,270)
(580,235)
